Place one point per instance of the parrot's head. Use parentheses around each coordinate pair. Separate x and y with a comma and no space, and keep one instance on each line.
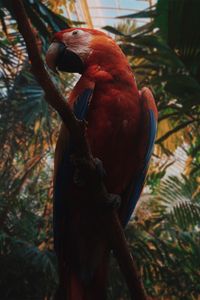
(71,49)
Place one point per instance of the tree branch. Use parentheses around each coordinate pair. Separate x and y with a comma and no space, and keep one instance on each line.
(174,130)
(111,223)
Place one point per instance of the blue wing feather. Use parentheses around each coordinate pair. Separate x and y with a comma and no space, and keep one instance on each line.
(82,104)
(137,186)
(64,175)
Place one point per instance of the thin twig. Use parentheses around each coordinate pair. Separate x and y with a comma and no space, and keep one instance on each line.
(174,130)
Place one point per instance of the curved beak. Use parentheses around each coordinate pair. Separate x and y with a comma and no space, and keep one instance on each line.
(60,57)
(53,54)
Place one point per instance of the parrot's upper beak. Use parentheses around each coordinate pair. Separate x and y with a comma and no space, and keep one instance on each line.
(61,58)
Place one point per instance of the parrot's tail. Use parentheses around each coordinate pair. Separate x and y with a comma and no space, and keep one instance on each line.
(74,286)
(93,290)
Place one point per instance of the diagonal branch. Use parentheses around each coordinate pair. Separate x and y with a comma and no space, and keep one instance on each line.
(174,130)
(115,234)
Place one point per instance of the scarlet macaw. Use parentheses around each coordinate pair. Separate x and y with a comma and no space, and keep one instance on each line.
(121,129)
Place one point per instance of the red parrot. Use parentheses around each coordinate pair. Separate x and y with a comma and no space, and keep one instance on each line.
(121,129)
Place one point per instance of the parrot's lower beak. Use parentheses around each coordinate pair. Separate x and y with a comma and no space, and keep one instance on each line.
(60,57)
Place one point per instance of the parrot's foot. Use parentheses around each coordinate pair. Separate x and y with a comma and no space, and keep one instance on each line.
(113,201)
(82,167)
(94,173)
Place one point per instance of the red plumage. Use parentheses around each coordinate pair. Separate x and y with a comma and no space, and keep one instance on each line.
(115,112)
(118,137)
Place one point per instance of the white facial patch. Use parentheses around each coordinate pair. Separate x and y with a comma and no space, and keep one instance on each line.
(78,41)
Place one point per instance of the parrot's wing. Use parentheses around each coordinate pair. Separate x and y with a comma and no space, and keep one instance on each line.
(147,139)
(82,104)
(64,170)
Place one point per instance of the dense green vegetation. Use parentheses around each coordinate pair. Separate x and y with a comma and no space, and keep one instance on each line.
(165,232)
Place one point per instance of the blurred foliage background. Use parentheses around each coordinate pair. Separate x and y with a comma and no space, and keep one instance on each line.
(164,233)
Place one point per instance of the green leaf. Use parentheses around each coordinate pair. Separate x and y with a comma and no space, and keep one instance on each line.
(147,13)
(113,30)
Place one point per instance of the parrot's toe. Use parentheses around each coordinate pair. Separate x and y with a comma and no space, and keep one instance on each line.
(83,169)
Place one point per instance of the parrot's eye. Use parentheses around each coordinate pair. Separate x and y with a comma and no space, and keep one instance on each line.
(75,32)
